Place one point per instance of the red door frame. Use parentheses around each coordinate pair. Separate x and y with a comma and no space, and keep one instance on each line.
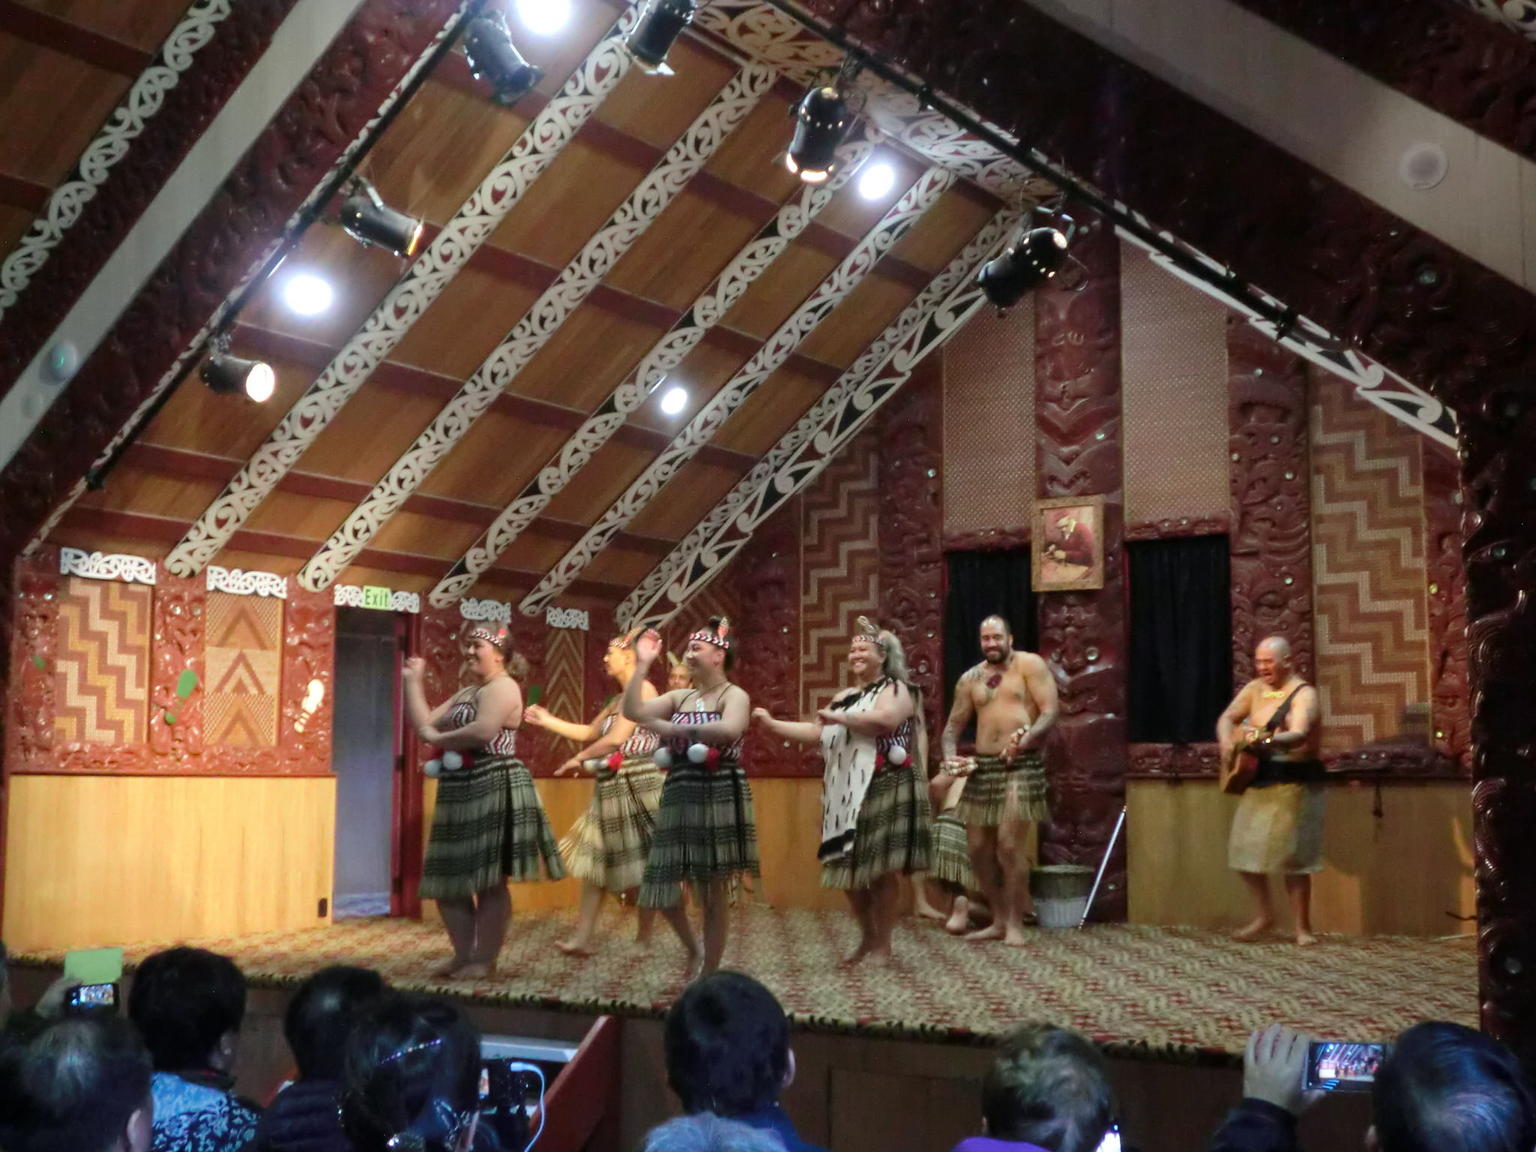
(409,798)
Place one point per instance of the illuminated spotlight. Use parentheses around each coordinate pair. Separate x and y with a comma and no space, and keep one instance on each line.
(544,17)
(674,400)
(821,119)
(495,59)
(230,375)
(657,30)
(877,180)
(307,294)
(1028,262)
(366,218)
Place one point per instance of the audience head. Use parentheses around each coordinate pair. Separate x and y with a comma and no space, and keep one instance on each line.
(321,1014)
(706,1133)
(1048,1087)
(81,1085)
(727,1046)
(1445,1088)
(412,1077)
(188,1004)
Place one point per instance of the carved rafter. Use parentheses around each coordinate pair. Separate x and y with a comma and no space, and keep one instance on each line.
(755,258)
(559,302)
(472,225)
(802,452)
(843,279)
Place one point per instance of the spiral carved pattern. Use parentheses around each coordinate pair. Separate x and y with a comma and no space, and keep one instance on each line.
(1447,595)
(1083,634)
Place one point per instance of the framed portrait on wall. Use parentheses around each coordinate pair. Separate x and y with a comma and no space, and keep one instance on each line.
(1067,544)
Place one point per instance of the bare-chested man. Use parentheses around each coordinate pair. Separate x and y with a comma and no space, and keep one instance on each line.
(1279,822)
(1012,697)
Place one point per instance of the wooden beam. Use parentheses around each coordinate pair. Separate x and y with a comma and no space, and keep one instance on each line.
(19,192)
(35,27)
(169,530)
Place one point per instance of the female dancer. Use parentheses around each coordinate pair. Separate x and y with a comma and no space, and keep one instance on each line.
(489,826)
(608,845)
(705,832)
(677,674)
(874,810)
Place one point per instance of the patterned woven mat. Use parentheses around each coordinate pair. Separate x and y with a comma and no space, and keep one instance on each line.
(1155,992)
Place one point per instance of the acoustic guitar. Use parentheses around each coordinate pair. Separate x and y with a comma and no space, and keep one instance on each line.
(1239,770)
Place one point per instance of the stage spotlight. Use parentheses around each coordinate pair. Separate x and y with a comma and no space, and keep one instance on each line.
(495,59)
(674,400)
(230,375)
(821,118)
(544,17)
(657,30)
(307,294)
(877,180)
(1028,262)
(366,218)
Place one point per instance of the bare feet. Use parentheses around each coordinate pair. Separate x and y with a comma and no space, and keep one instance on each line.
(927,911)
(879,958)
(959,918)
(445,970)
(693,967)
(575,947)
(1251,932)
(856,956)
(1014,937)
(475,970)
(1304,938)
(993,931)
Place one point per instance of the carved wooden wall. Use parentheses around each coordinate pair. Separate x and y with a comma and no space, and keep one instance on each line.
(1083,634)
(770,629)
(1446,588)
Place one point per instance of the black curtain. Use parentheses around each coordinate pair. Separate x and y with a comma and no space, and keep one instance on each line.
(983,584)
(1181,638)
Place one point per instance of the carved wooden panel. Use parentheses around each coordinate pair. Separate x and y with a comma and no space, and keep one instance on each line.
(911,451)
(1083,634)
(769,625)
(986,540)
(1446,586)
(1271,540)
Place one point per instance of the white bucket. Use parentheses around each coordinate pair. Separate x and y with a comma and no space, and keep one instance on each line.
(1061,913)
(1060,893)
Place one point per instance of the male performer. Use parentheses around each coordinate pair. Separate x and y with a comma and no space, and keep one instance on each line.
(1012,697)
(1279,822)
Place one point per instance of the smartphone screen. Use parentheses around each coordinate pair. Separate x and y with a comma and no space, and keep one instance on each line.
(1111,1141)
(1343,1066)
(91,997)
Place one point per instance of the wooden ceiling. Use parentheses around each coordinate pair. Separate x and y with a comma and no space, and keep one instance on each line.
(580,242)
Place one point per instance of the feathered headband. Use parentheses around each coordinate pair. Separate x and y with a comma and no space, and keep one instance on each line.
(496,636)
(864,629)
(719,635)
(626,641)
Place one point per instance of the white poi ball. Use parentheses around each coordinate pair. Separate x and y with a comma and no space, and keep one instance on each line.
(662,757)
(452,760)
(592,765)
(897,755)
(698,753)
(432,768)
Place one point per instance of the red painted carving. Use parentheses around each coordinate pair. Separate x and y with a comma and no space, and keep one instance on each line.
(1173,761)
(1447,599)
(309,657)
(216,71)
(1083,634)
(987,540)
(1457,62)
(770,622)
(1200,761)
(597,685)
(911,451)
(29,711)
(1271,509)
(176,725)
(1175,527)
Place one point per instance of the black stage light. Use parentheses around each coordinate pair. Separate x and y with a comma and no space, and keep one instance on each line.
(366,218)
(495,59)
(1027,263)
(657,30)
(821,120)
(230,375)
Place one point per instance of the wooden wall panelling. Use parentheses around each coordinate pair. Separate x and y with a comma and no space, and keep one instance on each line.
(1083,634)
(244,641)
(989,397)
(1271,542)
(769,588)
(1446,588)
(911,452)
(101,667)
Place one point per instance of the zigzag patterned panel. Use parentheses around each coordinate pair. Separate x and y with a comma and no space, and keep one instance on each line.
(101,670)
(243,658)
(564,673)
(840,569)
(1367,569)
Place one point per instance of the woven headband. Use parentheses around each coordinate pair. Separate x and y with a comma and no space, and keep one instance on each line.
(719,636)
(488,634)
(864,629)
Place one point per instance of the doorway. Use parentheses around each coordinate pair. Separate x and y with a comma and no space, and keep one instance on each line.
(366,759)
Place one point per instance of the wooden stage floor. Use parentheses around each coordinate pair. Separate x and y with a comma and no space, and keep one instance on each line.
(1164,993)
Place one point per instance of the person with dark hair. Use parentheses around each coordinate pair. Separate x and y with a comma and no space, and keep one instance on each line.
(1048,1089)
(304,1117)
(188,1005)
(705,834)
(1440,1088)
(726,1041)
(412,1078)
(874,811)
(489,825)
(607,846)
(1011,695)
(705,1133)
(81,1085)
